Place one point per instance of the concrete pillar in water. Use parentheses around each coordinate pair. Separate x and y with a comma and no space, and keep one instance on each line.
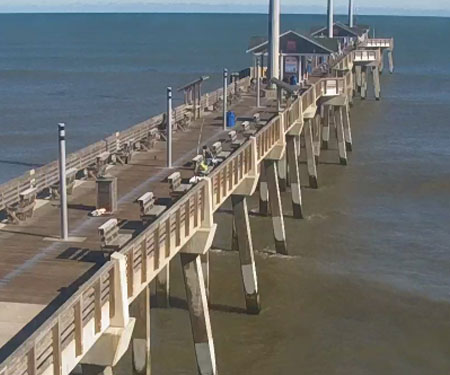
(340,135)
(347,130)
(358,77)
(140,342)
(327,122)
(376,82)
(381,68)
(311,162)
(391,61)
(363,82)
(263,192)
(246,253)
(294,176)
(205,258)
(282,173)
(198,309)
(317,136)
(163,288)
(276,206)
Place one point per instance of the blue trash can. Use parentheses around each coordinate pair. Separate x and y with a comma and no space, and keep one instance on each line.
(231,119)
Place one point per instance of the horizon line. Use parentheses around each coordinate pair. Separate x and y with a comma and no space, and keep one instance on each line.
(411,14)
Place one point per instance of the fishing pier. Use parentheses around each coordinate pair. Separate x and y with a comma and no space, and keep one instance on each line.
(75,288)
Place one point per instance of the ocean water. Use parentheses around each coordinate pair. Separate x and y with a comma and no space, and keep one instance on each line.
(365,289)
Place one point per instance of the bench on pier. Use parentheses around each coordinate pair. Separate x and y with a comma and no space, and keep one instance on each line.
(218,152)
(149,210)
(199,166)
(235,142)
(247,130)
(125,153)
(110,237)
(177,189)
(70,183)
(22,210)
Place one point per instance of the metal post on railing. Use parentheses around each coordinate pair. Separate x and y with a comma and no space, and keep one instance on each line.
(62,181)
(225,97)
(169,127)
(258,83)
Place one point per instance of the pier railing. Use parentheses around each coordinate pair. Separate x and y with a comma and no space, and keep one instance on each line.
(59,344)
(46,176)
(379,43)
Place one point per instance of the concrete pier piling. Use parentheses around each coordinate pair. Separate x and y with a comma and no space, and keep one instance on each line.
(358,78)
(317,136)
(246,253)
(338,115)
(310,159)
(376,82)
(282,173)
(391,61)
(140,341)
(263,192)
(275,206)
(364,71)
(205,259)
(294,176)
(326,128)
(199,314)
(347,129)
(163,288)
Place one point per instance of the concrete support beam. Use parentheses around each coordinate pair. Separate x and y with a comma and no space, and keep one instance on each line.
(317,136)
(294,176)
(263,192)
(205,258)
(358,77)
(326,128)
(246,253)
(276,206)
(311,162)
(376,82)
(198,310)
(140,341)
(381,67)
(163,288)
(282,173)
(347,129)
(338,112)
(363,82)
(391,61)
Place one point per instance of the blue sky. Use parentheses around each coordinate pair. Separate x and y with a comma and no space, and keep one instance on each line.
(408,7)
